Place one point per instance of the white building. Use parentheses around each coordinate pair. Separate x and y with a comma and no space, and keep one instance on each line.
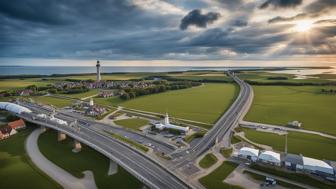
(91,102)
(317,166)
(294,124)
(270,157)
(249,153)
(14,108)
(166,125)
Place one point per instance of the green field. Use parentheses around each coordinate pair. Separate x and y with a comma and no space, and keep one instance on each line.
(88,159)
(6,84)
(16,169)
(208,160)
(82,95)
(48,100)
(133,123)
(281,104)
(298,143)
(204,103)
(196,76)
(214,180)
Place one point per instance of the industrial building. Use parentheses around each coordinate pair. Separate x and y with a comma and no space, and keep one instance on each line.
(249,153)
(293,162)
(317,167)
(270,157)
(11,107)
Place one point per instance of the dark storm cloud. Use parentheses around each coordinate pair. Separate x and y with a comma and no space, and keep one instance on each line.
(292,18)
(320,6)
(196,18)
(280,3)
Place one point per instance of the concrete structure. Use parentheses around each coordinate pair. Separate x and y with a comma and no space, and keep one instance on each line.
(98,70)
(61,136)
(317,166)
(270,157)
(77,146)
(14,108)
(293,162)
(167,125)
(249,153)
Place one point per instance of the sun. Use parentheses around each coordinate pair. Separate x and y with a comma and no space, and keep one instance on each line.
(303,26)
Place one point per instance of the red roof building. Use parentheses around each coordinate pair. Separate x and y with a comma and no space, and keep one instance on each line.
(18,124)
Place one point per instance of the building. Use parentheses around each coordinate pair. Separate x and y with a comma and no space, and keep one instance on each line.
(270,157)
(91,102)
(318,167)
(6,132)
(14,108)
(18,124)
(294,124)
(106,94)
(249,153)
(167,125)
(293,162)
(98,71)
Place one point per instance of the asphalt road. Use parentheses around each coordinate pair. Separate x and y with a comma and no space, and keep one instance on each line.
(137,163)
(222,128)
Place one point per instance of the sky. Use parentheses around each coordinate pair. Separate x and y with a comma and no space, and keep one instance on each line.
(168,32)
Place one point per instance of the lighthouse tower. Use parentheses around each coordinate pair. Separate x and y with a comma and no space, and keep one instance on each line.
(98,71)
(166,119)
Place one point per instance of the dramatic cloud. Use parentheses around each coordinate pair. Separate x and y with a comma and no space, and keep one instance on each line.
(280,3)
(196,18)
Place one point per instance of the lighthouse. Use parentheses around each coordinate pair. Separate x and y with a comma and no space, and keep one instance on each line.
(98,71)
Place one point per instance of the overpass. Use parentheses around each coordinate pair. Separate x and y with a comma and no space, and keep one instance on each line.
(222,129)
(144,168)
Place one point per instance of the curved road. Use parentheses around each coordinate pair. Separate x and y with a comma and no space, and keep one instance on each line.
(65,179)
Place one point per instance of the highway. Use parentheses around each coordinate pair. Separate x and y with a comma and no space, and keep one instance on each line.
(223,126)
(148,171)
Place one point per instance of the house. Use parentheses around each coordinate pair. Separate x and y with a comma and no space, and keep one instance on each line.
(270,157)
(18,124)
(293,162)
(249,153)
(106,94)
(7,132)
(318,167)
(294,124)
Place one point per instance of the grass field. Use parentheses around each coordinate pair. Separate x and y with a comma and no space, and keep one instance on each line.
(57,102)
(204,103)
(196,76)
(133,123)
(82,95)
(6,84)
(298,143)
(281,104)
(214,180)
(208,160)
(16,169)
(88,159)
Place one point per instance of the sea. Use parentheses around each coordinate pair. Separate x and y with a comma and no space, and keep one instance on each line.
(49,70)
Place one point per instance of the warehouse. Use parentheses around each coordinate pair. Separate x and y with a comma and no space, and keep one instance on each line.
(317,167)
(249,153)
(14,108)
(270,157)
(293,162)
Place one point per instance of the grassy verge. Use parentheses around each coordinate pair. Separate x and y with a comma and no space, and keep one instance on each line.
(208,161)
(226,152)
(298,143)
(295,177)
(191,137)
(88,159)
(16,169)
(134,123)
(262,178)
(130,142)
(235,139)
(48,100)
(305,104)
(214,180)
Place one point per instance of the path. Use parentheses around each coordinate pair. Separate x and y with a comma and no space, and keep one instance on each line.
(254,124)
(65,179)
